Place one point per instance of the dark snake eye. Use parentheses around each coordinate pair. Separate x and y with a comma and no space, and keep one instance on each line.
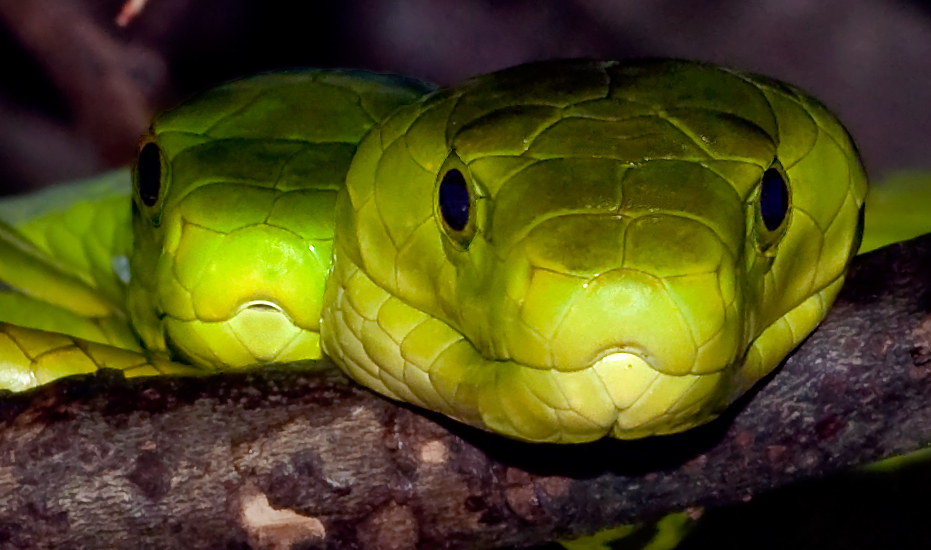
(454,200)
(149,173)
(774,199)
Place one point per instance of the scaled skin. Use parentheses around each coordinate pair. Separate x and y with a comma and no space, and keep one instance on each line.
(614,276)
(229,264)
(62,249)
(897,209)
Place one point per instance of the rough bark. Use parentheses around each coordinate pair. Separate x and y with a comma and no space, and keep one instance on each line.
(277,459)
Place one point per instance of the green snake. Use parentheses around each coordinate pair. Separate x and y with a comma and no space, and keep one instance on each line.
(555,252)
(210,291)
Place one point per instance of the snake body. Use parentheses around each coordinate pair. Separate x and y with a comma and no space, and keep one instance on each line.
(554,252)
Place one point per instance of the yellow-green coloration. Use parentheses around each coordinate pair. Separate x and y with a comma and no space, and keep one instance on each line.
(897,208)
(664,534)
(61,252)
(227,265)
(615,275)
(32,357)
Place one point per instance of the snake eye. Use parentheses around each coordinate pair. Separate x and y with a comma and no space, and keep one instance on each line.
(149,173)
(454,200)
(774,199)
(457,204)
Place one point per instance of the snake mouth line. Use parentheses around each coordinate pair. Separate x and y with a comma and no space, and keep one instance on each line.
(628,359)
(257,331)
(262,306)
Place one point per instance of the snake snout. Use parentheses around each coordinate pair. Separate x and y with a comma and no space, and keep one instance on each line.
(662,287)
(652,349)
(677,326)
(248,295)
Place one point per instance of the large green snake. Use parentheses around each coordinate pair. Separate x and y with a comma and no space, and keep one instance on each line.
(555,252)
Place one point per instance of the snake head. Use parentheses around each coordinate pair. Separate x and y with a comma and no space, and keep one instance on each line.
(565,250)
(234,194)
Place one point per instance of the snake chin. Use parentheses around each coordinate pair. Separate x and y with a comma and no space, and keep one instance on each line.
(407,354)
(258,332)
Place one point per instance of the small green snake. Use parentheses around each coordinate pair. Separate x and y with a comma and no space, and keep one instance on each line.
(209,291)
(555,252)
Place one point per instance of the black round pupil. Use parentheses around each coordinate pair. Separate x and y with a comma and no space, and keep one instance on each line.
(774,199)
(149,174)
(454,200)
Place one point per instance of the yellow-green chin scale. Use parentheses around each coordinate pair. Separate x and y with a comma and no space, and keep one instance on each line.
(233,204)
(566,250)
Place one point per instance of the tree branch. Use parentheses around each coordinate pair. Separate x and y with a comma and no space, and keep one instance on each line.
(272,459)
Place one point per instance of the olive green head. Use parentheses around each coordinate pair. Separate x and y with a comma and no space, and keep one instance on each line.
(234,193)
(581,248)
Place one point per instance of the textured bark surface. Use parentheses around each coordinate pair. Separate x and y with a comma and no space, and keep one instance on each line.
(279,459)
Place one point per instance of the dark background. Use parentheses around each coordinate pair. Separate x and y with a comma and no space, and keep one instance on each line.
(77,91)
